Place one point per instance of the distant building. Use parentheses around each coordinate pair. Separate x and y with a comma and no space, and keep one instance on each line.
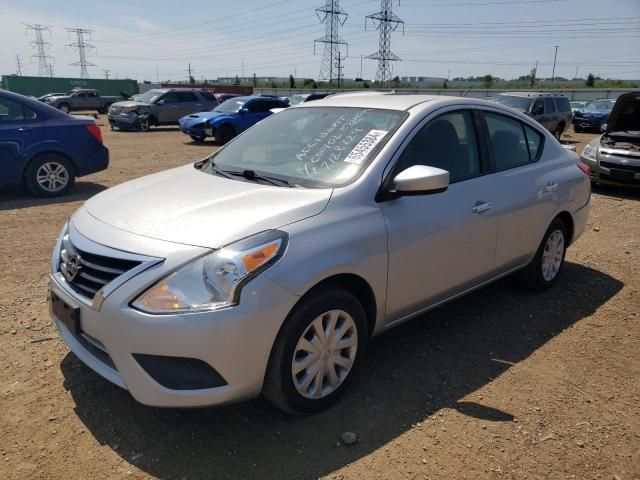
(422,80)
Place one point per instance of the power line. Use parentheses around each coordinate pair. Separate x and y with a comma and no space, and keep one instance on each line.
(333,16)
(41,47)
(387,22)
(82,48)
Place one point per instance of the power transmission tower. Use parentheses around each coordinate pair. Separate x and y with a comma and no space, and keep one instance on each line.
(19,65)
(41,47)
(106,73)
(82,46)
(387,22)
(333,16)
(190,72)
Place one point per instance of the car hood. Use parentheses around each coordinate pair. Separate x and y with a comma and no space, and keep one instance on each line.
(129,103)
(187,206)
(200,117)
(625,116)
(593,113)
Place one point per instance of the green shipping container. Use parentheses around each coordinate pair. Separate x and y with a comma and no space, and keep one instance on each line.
(37,86)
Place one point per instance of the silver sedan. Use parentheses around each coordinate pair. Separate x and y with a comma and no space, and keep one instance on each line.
(267,266)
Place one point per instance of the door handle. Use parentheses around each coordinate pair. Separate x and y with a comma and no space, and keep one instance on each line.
(481,207)
(551,187)
(24,130)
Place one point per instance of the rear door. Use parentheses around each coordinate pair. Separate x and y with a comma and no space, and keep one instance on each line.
(189,103)
(552,112)
(20,127)
(527,188)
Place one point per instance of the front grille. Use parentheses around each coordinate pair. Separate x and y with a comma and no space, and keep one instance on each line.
(86,273)
(621,166)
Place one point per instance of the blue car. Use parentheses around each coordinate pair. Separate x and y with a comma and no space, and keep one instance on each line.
(594,114)
(44,148)
(229,119)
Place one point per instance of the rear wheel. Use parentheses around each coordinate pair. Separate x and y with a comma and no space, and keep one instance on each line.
(317,352)
(49,175)
(64,107)
(545,267)
(224,133)
(558,132)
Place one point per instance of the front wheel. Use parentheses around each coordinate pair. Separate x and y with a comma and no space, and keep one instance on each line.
(49,176)
(317,352)
(224,133)
(545,267)
(64,107)
(143,124)
(198,138)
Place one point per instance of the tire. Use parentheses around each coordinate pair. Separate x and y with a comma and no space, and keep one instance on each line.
(558,132)
(50,175)
(143,124)
(198,138)
(224,133)
(324,308)
(64,107)
(577,129)
(106,108)
(544,269)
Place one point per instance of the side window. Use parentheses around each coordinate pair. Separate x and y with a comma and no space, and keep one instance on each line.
(507,141)
(563,104)
(447,142)
(187,97)
(549,106)
(534,142)
(11,111)
(92,94)
(538,107)
(170,97)
(208,96)
(258,106)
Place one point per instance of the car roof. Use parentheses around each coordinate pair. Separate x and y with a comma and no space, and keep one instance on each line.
(533,94)
(381,100)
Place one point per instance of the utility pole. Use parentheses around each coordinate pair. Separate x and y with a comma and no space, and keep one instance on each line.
(51,70)
(576,75)
(106,73)
(19,65)
(82,46)
(190,72)
(387,22)
(339,66)
(333,16)
(41,47)
(555,55)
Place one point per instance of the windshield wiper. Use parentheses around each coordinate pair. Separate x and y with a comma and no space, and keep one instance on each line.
(252,175)
(216,170)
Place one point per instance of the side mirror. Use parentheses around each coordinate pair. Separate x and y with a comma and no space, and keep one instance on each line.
(244,110)
(161,102)
(603,127)
(538,110)
(421,179)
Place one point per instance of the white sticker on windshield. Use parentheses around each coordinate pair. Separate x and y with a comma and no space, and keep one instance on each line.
(365,146)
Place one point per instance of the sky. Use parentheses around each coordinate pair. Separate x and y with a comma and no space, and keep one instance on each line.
(156,40)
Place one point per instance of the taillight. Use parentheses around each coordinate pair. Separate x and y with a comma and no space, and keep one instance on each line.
(95,131)
(585,169)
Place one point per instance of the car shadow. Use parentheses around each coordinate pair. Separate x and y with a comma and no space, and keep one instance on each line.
(16,197)
(410,372)
(626,192)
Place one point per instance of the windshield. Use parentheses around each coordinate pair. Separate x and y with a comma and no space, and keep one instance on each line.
(149,96)
(230,106)
(519,103)
(312,147)
(599,105)
(296,99)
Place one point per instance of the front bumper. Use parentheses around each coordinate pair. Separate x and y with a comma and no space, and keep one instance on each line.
(588,123)
(234,342)
(608,170)
(123,120)
(197,129)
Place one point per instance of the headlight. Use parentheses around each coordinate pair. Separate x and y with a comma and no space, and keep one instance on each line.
(590,152)
(215,280)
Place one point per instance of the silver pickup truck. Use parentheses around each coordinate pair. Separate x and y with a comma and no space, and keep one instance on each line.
(82,99)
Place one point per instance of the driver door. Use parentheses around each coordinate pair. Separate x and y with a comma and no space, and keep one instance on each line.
(168,108)
(442,243)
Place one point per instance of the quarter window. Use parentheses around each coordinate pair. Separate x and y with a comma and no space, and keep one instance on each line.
(508,141)
(447,142)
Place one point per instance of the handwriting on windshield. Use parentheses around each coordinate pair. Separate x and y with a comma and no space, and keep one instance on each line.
(331,145)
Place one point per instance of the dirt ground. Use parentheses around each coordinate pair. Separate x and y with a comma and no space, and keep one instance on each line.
(500,384)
